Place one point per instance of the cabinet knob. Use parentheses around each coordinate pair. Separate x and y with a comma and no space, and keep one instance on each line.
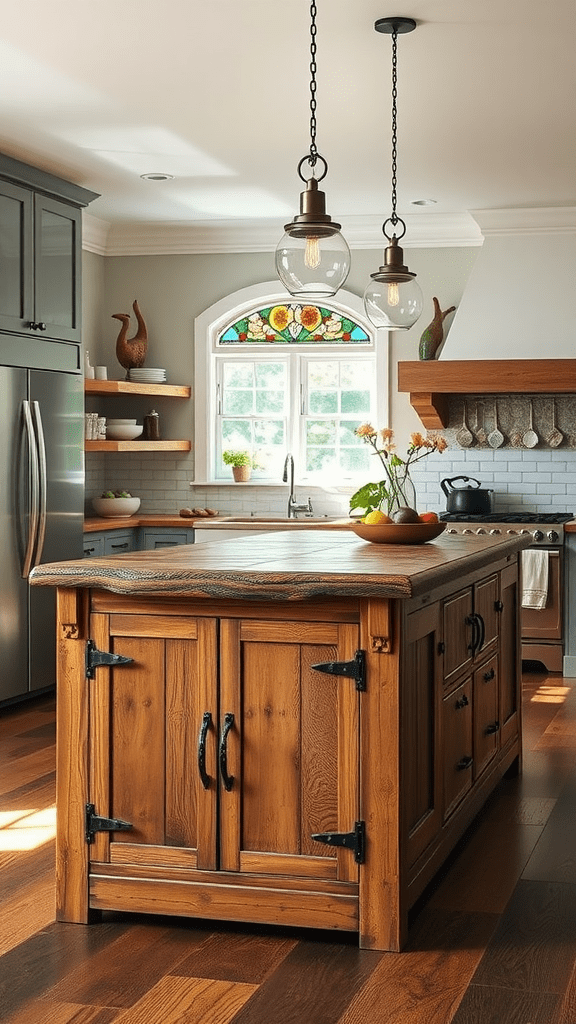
(462,702)
(492,728)
(489,675)
(464,763)
(36,326)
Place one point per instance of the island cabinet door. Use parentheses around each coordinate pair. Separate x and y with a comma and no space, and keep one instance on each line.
(292,752)
(146,726)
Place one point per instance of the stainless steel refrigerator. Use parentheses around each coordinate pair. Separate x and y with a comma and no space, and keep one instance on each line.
(41,515)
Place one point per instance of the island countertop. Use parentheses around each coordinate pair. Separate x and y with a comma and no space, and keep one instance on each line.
(285,566)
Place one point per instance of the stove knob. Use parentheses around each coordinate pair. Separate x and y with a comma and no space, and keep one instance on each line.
(495,530)
(513,532)
(451,530)
(480,530)
(524,531)
(553,536)
(467,530)
(538,536)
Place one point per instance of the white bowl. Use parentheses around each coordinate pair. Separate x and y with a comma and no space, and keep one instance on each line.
(114,508)
(123,431)
(117,423)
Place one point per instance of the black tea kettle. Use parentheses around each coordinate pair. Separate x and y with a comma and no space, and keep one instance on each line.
(466,500)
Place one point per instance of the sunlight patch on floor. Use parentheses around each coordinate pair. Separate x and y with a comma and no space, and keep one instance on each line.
(27,829)
(550,694)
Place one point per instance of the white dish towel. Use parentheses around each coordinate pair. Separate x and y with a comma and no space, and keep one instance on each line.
(534,578)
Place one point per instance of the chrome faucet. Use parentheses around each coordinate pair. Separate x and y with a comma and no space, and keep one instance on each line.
(294,506)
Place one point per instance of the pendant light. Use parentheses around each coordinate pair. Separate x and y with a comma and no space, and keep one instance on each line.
(312,257)
(393,298)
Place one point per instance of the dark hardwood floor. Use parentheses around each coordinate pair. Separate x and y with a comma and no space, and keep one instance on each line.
(492,942)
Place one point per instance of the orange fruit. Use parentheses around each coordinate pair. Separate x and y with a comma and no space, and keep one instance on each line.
(428,517)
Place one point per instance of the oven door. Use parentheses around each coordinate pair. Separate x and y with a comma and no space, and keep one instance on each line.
(545,624)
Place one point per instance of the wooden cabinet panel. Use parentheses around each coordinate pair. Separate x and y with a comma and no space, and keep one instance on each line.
(457,631)
(457,745)
(486,715)
(510,663)
(486,605)
(293,750)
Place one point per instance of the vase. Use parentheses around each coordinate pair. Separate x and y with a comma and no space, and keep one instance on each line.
(241,473)
(401,492)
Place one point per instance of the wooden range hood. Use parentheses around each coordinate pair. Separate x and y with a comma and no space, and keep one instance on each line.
(431,382)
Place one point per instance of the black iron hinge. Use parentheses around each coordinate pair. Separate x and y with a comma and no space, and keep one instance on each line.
(355,669)
(95,658)
(94,823)
(355,840)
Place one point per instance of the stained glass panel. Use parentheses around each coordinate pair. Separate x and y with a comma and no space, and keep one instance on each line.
(293,323)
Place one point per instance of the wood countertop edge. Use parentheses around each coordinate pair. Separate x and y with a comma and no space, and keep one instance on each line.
(96,524)
(168,574)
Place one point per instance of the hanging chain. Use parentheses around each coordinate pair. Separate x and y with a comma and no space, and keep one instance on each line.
(394,217)
(313,69)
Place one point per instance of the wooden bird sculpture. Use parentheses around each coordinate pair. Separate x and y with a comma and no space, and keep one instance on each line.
(433,335)
(131,352)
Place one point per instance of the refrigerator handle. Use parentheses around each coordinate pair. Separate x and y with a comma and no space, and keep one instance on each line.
(42,481)
(28,430)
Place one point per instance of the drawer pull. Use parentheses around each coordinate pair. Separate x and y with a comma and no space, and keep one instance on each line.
(464,763)
(489,675)
(491,729)
(462,702)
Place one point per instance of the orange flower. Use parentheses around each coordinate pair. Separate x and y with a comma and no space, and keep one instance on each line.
(365,430)
(310,317)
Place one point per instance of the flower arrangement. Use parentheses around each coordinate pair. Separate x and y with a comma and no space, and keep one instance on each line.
(396,490)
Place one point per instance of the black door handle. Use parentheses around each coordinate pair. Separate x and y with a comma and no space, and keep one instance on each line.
(227,780)
(206,722)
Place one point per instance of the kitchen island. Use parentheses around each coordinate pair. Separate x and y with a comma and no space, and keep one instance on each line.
(291,729)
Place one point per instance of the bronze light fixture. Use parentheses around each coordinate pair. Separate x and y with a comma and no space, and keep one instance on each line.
(393,298)
(312,257)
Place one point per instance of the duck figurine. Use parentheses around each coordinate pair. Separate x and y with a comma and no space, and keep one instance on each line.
(131,352)
(432,336)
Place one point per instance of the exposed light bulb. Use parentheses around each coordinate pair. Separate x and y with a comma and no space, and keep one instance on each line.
(312,253)
(393,294)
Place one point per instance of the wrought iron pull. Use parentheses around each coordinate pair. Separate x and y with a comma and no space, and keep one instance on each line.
(462,702)
(471,620)
(227,780)
(489,675)
(498,606)
(464,763)
(206,723)
(481,632)
(491,729)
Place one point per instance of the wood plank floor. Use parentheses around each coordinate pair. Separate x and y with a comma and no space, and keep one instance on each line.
(492,942)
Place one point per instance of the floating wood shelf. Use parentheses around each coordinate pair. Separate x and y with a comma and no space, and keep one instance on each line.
(137,446)
(126,387)
(431,382)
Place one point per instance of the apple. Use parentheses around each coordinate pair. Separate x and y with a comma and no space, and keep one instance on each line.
(428,517)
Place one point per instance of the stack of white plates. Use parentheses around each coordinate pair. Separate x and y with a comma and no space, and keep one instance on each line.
(147,375)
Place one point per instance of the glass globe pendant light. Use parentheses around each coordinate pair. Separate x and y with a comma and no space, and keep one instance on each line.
(312,257)
(393,298)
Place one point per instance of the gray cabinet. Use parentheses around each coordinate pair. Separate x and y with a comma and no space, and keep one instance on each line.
(109,542)
(152,538)
(40,253)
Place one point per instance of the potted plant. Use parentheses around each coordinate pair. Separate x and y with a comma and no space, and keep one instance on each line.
(241,462)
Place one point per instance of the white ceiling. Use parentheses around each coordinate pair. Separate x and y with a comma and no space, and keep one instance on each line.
(216,93)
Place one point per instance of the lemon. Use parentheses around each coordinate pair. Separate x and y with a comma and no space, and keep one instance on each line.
(375,517)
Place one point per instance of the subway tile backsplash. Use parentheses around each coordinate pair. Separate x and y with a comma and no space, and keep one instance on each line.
(540,479)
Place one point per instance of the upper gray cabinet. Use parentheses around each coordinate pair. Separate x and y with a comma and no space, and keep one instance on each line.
(40,253)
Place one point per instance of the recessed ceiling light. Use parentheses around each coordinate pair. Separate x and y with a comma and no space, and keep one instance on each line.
(423,202)
(157,176)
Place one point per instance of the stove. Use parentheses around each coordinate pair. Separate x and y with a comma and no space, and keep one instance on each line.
(546,528)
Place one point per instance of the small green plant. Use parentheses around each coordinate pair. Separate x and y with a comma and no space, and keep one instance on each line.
(237,458)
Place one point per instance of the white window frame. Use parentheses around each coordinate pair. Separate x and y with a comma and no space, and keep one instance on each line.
(207,328)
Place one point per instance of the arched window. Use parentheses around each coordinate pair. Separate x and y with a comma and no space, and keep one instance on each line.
(275,376)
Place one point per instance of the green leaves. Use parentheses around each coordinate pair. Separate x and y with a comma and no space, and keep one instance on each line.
(369,497)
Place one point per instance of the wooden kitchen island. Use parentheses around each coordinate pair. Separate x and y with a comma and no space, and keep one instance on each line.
(292,729)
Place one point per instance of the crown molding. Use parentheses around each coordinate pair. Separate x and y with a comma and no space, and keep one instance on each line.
(529,221)
(150,239)
(432,230)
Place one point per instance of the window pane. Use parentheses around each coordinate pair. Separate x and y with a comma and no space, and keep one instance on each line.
(237,403)
(269,402)
(321,460)
(238,375)
(269,433)
(323,401)
(320,432)
(323,374)
(270,375)
(355,401)
(236,434)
